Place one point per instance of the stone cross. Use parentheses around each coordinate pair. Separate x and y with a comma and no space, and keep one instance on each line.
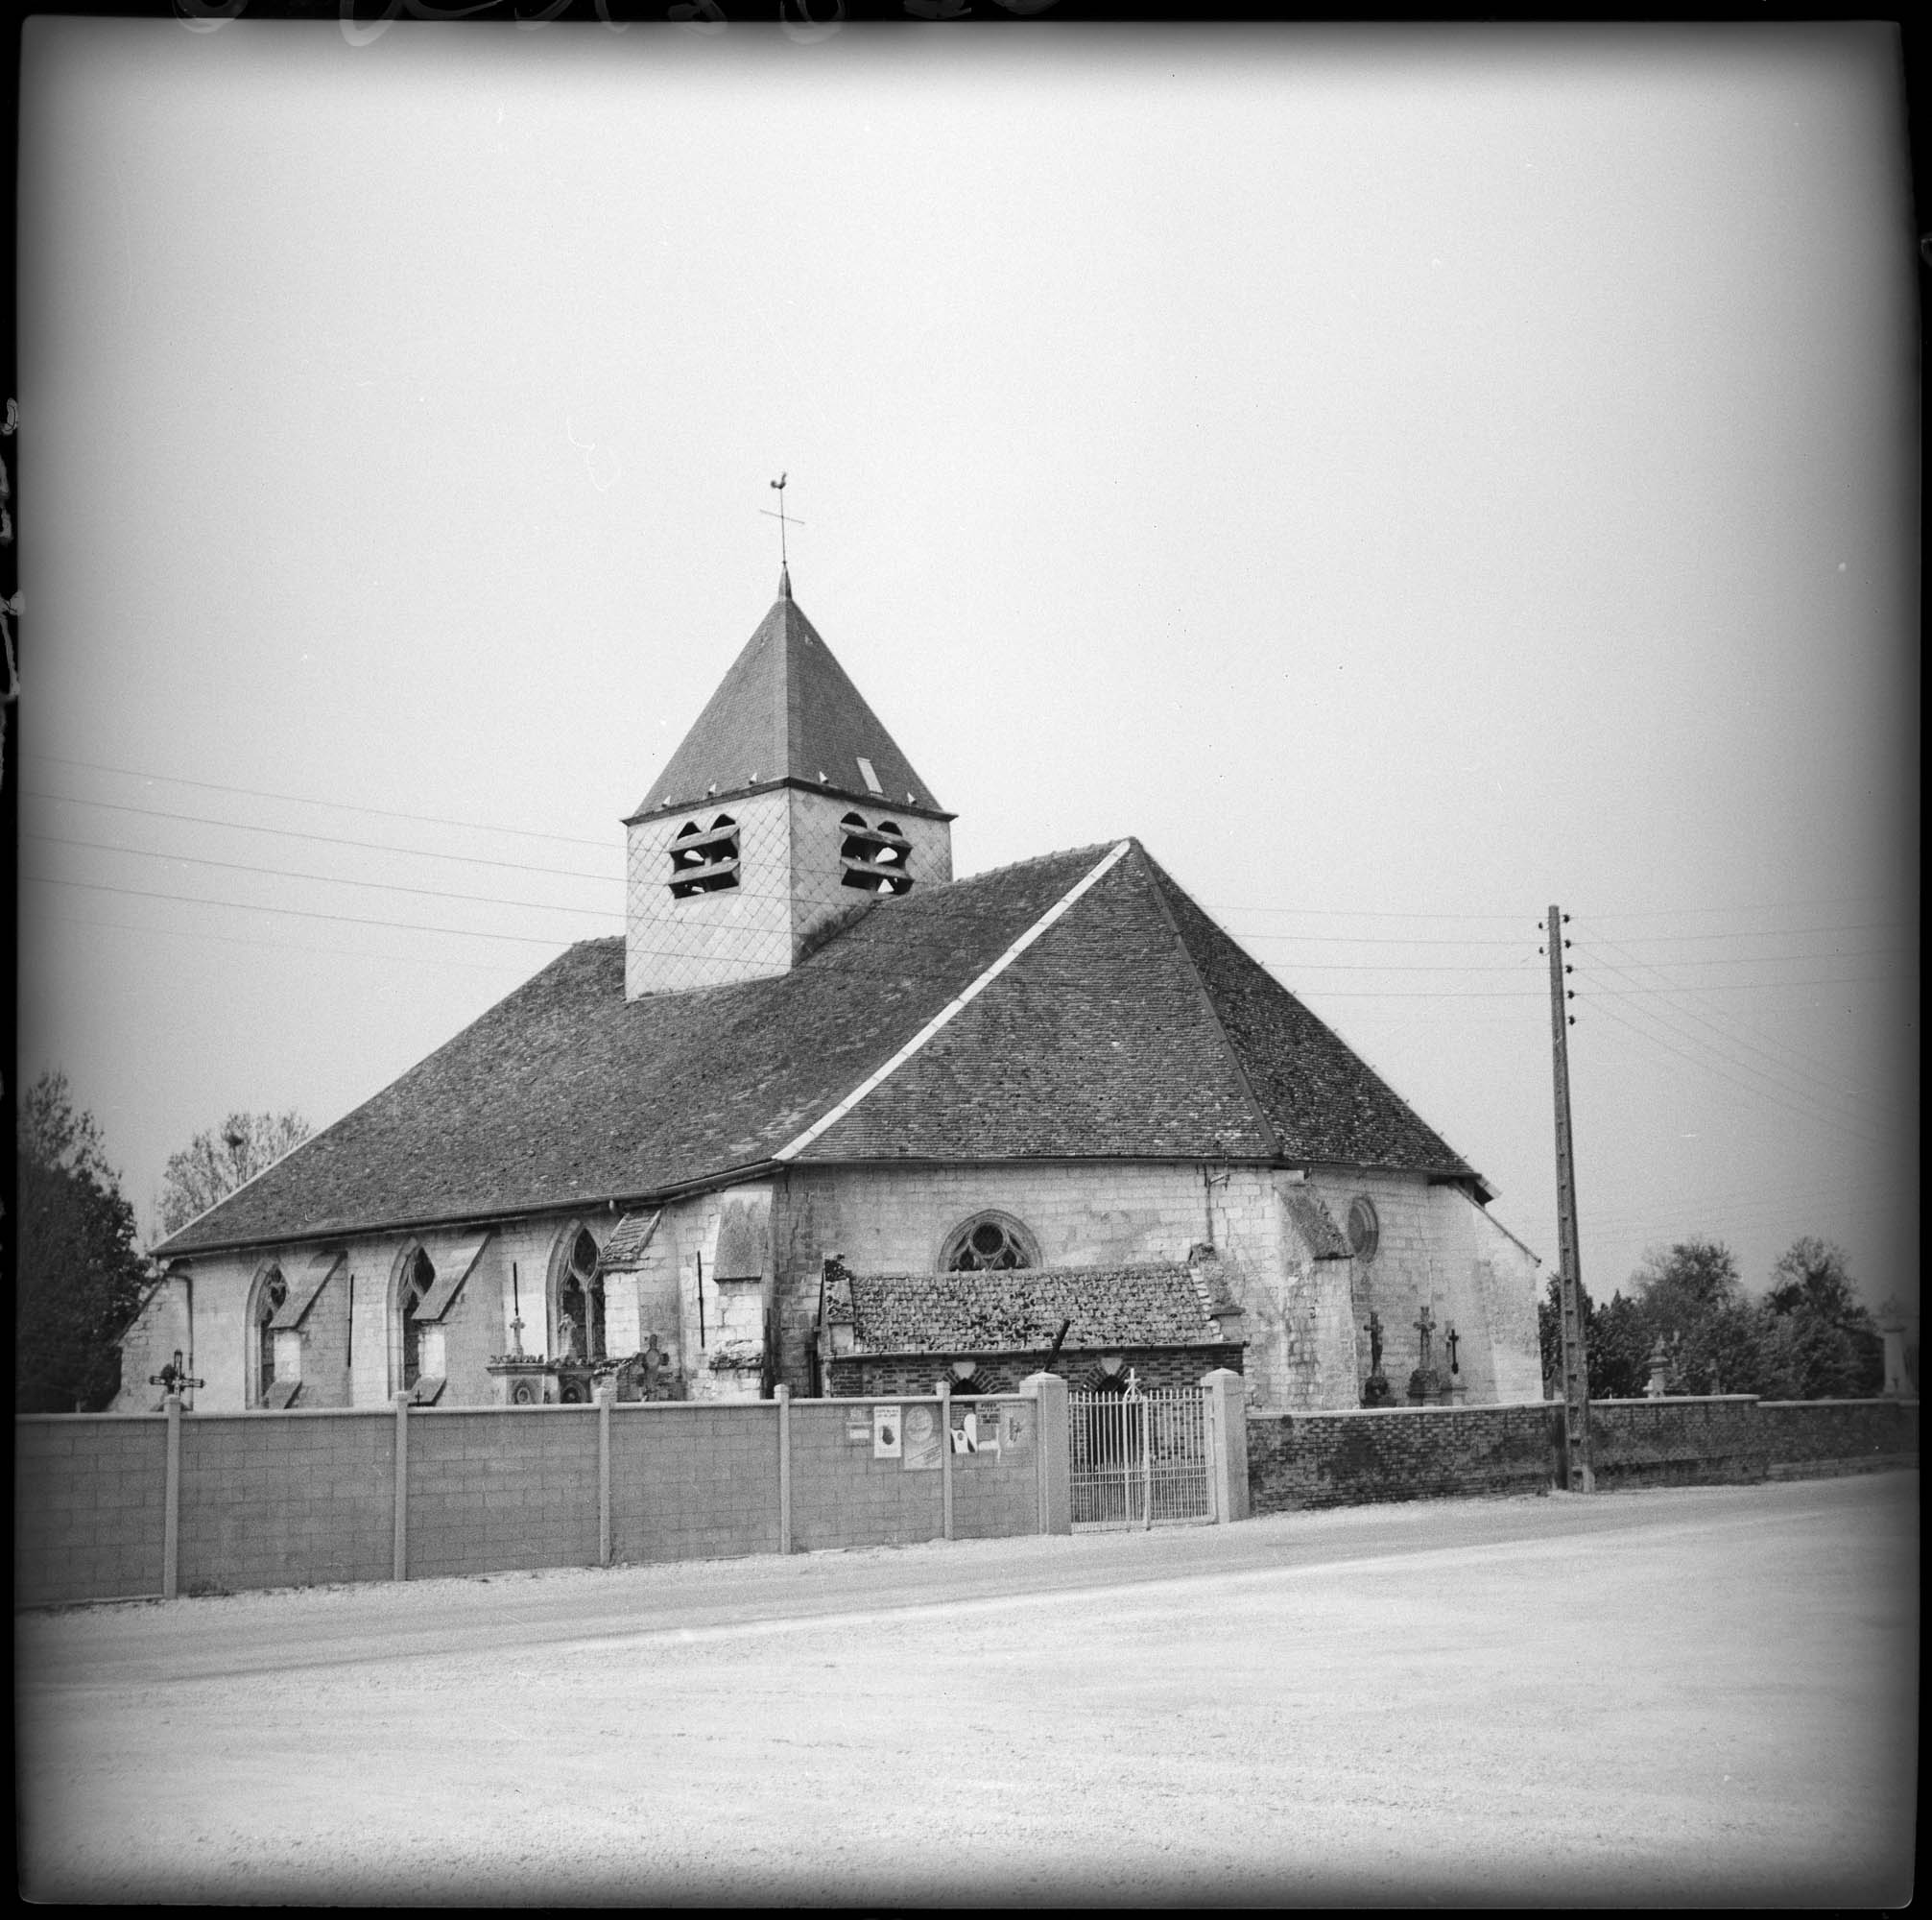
(1425,1326)
(1454,1340)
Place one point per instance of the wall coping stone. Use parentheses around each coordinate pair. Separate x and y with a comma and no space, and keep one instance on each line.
(1383,1412)
(1874,1400)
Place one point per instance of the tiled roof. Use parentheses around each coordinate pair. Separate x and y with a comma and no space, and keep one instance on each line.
(631,1234)
(1156,1305)
(786,710)
(1132,1029)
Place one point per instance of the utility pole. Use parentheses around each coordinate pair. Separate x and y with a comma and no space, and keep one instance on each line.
(1577,1471)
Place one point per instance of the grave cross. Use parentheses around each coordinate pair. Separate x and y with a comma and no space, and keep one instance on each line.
(173,1377)
(1455,1339)
(1425,1326)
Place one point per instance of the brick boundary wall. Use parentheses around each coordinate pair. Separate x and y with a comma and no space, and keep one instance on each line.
(310,1495)
(1432,1453)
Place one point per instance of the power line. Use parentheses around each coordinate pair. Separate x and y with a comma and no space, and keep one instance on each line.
(329,879)
(319,839)
(299,913)
(496,969)
(1834,1093)
(1843,1125)
(302,800)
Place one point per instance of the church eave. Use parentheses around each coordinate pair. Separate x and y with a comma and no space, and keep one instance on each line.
(874,802)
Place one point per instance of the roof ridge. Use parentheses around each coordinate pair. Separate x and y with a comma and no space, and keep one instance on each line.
(1036,931)
(1159,875)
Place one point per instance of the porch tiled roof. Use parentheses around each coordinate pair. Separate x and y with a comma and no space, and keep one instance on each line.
(1153,1305)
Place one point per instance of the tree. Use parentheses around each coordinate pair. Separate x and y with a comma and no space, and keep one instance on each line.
(79,1274)
(215,1162)
(1692,1297)
(1616,1339)
(1822,1338)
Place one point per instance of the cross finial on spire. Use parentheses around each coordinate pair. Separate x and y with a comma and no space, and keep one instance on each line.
(784,520)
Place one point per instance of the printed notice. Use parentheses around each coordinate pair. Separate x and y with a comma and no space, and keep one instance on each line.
(884,1433)
(1015,1426)
(922,1438)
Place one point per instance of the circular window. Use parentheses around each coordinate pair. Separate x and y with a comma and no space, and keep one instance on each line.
(990,1243)
(1364,1229)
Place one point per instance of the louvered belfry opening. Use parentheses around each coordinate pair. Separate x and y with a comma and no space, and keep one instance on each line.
(875,859)
(704,860)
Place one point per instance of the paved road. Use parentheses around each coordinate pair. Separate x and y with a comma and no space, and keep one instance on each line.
(1701,1695)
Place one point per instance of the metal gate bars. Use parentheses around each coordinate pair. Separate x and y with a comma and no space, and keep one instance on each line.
(1140,1457)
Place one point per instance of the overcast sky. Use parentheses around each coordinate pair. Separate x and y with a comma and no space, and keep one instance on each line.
(1405,480)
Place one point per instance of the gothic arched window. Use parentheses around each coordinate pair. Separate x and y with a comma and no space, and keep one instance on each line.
(704,860)
(875,859)
(418,1277)
(271,1292)
(580,1303)
(987,1242)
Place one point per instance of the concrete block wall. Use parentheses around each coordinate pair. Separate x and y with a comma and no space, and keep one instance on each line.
(89,1505)
(495,1489)
(690,1481)
(842,1497)
(997,1495)
(294,1499)
(281,1500)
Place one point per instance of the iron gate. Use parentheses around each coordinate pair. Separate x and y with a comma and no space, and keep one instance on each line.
(1140,1457)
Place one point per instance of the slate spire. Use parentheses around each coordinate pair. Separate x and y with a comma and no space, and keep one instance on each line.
(787,711)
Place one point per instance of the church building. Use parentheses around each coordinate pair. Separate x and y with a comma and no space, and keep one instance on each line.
(829,1116)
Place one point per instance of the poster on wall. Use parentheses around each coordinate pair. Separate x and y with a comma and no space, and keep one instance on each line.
(884,1433)
(922,1438)
(1015,1426)
(975,1426)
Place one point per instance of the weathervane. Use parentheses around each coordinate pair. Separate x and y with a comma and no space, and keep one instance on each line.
(784,520)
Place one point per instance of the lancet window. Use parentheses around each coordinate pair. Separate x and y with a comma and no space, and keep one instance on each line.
(418,1276)
(270,1293)
(580,1304)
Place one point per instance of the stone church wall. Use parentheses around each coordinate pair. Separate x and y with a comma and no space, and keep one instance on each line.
(1303,1322)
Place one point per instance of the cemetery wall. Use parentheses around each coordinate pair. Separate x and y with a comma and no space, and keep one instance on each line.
(1405,1452)
(299,1497)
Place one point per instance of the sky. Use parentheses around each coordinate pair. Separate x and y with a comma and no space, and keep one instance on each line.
(1406,479)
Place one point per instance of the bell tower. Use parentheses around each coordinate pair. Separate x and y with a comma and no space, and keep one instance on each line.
(786,804)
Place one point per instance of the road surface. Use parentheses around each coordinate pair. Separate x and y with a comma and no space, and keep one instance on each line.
(1697,1695)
